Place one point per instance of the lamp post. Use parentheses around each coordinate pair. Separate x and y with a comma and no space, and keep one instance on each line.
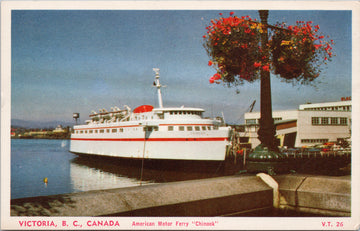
(266,157)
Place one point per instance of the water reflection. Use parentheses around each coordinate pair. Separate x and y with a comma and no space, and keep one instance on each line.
(90,173)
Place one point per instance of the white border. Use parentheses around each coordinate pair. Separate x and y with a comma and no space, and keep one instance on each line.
(277,223)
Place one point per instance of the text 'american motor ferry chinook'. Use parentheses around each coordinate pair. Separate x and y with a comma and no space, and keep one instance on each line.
(163,133)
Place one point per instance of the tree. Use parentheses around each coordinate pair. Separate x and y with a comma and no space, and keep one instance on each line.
(243,49)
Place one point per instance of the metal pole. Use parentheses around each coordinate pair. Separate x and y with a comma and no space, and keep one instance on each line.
(266,131)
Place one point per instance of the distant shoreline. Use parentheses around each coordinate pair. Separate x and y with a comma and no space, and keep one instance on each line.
(41,138)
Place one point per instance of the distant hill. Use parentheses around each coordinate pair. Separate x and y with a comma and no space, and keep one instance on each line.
(39,124)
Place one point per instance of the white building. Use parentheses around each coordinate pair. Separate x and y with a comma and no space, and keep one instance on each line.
(309,125)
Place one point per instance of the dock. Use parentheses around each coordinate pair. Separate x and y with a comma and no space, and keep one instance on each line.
(238,195)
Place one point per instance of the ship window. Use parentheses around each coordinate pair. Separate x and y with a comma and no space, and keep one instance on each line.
(81,132)
(107,130)
(181,128)
(171,113)
(148,129)
(73,131)
(102,131)
(114,130)
(85,131)
(171,128)
(156,129)
(216,128)
(96,131)
(76,132)
(121,130)
(197,128)
(189,128)
(203,128)
(91,131)
(209,128)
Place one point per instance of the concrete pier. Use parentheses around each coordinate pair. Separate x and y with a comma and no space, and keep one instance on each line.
(224,196)
(321,195)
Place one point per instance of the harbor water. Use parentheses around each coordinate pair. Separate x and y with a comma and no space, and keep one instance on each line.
(34,161)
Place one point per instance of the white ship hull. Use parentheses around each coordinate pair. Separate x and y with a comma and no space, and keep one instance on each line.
(172,133)
(195,145)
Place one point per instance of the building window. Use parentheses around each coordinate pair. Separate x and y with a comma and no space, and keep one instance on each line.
(325,120)
(250,121)
(315,120)
(343,121)
(171,128)
(334,120)
(314,140)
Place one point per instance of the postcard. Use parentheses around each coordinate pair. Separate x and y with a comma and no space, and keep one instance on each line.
(179,115)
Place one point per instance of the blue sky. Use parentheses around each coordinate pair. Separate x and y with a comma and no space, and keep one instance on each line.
(66,61)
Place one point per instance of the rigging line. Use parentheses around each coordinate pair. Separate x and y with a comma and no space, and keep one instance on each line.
(143,158)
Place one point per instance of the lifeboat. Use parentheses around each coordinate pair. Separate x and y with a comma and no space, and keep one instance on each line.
(143,108)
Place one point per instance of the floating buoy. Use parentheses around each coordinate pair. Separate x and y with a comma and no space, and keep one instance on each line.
(45,180)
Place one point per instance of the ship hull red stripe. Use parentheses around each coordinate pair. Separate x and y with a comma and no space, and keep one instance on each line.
(152,139)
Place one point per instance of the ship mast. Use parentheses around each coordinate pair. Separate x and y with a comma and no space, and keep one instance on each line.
(158,86)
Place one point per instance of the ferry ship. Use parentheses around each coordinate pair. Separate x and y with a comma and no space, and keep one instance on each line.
(163,133)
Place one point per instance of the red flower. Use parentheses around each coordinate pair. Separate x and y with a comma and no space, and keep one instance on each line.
(321,37)
(266,68)
(256,64)
(210,63)
(231,13)
(211,80)
(217,76)
(317,46)
(220,13)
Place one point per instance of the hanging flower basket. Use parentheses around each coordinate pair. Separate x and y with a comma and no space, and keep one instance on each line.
(298,51)
(233,45)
